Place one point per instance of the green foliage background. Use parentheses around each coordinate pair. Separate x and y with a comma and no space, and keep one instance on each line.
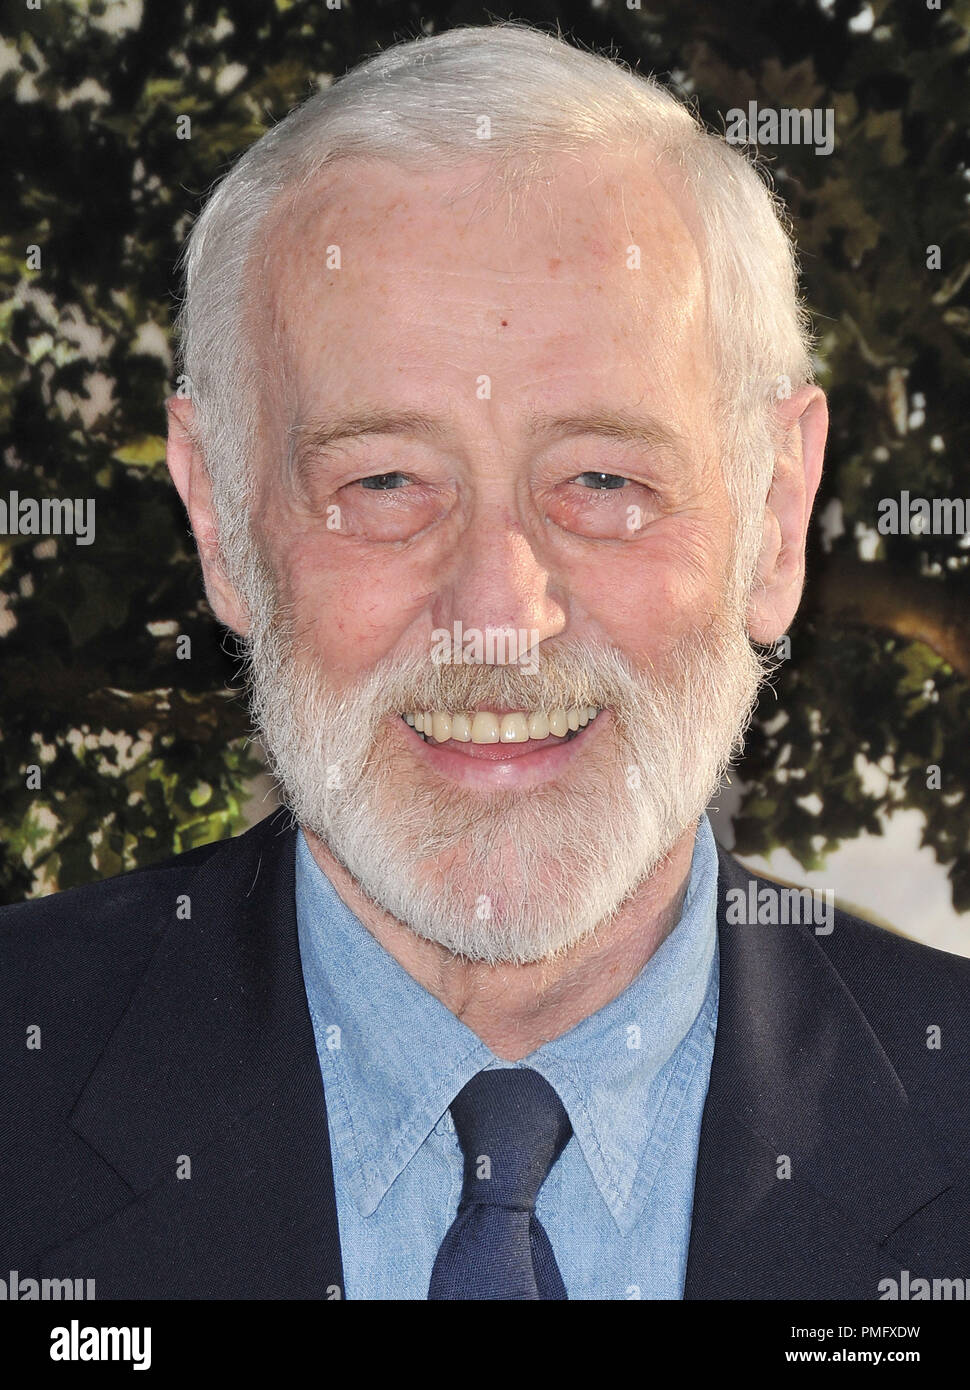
(142,754)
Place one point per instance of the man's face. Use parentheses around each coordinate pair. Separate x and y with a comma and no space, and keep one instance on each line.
(548,470)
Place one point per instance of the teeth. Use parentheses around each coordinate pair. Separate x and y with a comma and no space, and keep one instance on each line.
(514,729)
(539,725)
(482,726)
(485,728)
(558,723)
(440,726)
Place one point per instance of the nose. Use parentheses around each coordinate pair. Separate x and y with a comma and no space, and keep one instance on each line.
(499,582)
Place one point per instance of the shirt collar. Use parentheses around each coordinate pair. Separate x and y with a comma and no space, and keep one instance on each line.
(394,1057)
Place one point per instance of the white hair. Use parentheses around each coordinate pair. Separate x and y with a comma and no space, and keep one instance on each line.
(418,104)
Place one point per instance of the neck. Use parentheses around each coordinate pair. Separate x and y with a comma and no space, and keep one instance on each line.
(516,1008)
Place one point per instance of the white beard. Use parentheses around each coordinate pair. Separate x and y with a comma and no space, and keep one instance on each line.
(503,876)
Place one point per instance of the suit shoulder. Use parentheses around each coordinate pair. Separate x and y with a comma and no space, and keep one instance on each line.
(70,962)
(93,910)
(916,999)
(115,918)
(866,950)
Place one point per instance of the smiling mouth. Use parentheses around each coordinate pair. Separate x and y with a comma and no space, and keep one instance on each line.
(502,727)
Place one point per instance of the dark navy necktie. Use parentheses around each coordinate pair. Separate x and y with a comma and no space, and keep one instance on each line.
(512,1127)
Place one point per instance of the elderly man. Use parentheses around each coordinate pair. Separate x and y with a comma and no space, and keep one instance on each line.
(500,453)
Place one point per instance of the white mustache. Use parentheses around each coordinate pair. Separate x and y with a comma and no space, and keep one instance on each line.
(582,673)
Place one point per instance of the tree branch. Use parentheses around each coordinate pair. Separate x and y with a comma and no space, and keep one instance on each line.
(921,609)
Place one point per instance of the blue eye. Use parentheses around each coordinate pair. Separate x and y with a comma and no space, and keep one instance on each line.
(603,481)
(383,482)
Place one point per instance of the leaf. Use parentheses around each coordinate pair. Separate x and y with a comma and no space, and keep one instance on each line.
(145,451)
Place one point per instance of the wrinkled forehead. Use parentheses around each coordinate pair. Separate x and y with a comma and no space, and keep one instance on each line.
(601,247)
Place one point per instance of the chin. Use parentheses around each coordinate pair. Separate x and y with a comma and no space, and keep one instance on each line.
(494,898)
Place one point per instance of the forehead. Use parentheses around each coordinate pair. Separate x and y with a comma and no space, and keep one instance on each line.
(379,270)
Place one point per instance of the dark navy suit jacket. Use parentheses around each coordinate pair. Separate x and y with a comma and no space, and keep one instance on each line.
(165,1038)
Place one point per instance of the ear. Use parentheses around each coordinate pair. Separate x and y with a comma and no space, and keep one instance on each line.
(191,478)
(780,574)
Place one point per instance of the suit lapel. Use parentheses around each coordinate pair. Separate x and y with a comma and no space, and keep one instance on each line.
(810,1154)
(207,1100)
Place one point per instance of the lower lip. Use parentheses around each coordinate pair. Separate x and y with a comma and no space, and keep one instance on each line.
(506,765)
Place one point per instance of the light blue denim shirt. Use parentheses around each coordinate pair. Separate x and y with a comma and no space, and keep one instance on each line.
(633,1078)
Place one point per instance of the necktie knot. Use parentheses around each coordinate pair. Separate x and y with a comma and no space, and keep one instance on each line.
(512,1127)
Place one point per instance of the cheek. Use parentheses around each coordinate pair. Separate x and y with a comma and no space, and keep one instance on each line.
(348,609)
(646,597)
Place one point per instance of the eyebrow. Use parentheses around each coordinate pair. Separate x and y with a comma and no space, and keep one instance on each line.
(625,426)
(314,436)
